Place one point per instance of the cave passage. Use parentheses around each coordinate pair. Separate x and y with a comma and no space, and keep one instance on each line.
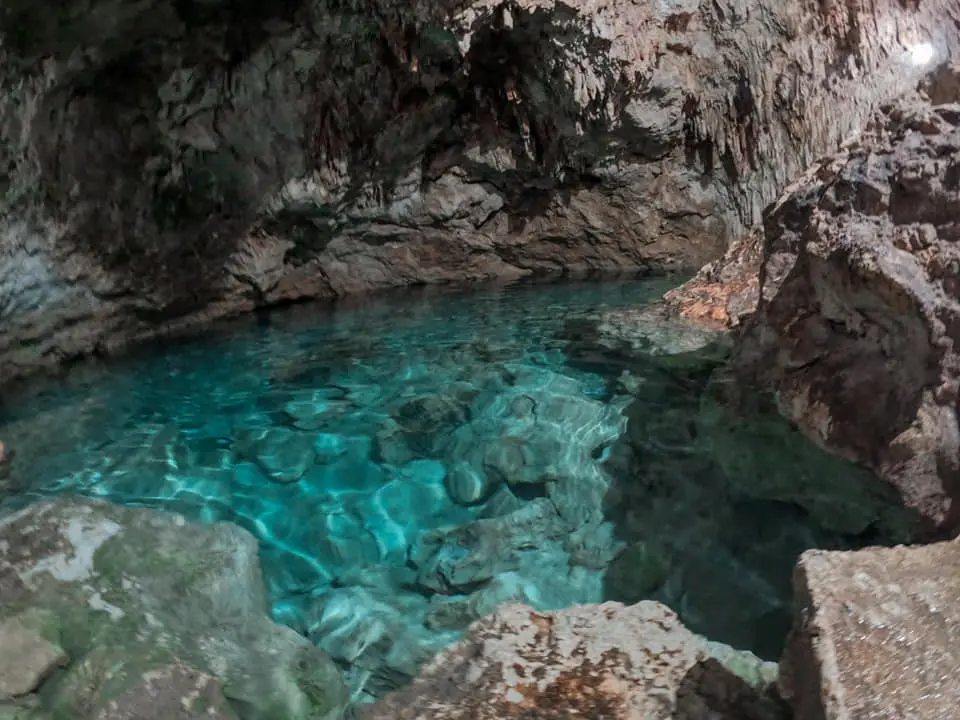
(412,460)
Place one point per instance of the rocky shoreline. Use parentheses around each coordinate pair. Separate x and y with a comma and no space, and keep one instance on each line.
(113,613)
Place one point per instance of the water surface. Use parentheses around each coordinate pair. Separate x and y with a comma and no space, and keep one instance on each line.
(412,460)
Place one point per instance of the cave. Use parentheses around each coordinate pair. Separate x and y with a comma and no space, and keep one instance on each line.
(479,360)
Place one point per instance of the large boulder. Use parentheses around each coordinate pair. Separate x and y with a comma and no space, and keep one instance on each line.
(594,661)
(877,634)
(858,323)
(146,615)
(164,162)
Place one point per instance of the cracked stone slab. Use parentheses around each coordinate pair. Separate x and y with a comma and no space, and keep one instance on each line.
(877,634)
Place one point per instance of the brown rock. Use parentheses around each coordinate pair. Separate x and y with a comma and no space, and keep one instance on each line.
(877,634)
(591,661)
(726,291)
(859,323)
(168,163)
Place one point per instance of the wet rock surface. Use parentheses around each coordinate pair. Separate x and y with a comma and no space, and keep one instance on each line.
(148,616)
(856,329)
(29,652)
(174,692)
(605,661)
(876,634)
(165,163)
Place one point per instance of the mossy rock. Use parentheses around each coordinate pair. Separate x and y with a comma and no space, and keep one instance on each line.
(134,595)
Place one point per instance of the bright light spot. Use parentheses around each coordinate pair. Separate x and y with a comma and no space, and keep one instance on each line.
(922,54)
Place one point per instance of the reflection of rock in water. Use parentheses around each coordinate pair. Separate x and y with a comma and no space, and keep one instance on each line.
(714,502)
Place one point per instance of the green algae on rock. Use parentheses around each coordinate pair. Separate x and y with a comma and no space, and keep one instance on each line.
(145,604)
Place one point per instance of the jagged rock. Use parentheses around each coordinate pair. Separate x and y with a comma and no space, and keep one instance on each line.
(724,292)
(146,600)
(165,163)
(425,421)
(857,326)
(605,661)
(876,635)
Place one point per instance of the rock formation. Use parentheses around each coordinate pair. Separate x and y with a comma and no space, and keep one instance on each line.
(170,161)
(858,322)
(877,634)
(593,661)
(109,612)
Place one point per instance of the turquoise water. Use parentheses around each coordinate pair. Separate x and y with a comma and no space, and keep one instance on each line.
(412,460)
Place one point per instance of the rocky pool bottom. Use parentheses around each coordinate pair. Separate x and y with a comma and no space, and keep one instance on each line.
(410,462)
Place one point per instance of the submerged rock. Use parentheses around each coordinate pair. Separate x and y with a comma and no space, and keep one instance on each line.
(283,453)
(173,692)
(467,485)
(29,652)
(857,326)
(876,635)
(650,332)
(152,612)
(593,661)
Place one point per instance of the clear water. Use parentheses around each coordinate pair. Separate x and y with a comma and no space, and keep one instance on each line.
(410,461)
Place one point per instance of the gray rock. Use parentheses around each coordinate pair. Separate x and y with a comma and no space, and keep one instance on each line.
(174,692)
(284,454)
(450,560)
(876,634)
(27,655)
(137,591)
(467,486)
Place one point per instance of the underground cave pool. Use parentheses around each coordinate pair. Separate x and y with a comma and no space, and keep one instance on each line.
(409,461)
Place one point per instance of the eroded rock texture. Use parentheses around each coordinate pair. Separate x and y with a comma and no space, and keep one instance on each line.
(592,661)
(877,634)
(169,161)
(858,323)
(146,616)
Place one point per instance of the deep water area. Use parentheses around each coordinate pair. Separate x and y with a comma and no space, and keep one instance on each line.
(409,461)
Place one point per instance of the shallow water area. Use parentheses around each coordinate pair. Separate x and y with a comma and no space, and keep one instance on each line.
(412,460)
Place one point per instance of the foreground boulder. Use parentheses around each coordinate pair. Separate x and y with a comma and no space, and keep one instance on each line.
(112,612)
(165,162)
(858,323)
(877,634)
(592,661)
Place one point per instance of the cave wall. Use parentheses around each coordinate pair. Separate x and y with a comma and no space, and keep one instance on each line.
(167,162)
